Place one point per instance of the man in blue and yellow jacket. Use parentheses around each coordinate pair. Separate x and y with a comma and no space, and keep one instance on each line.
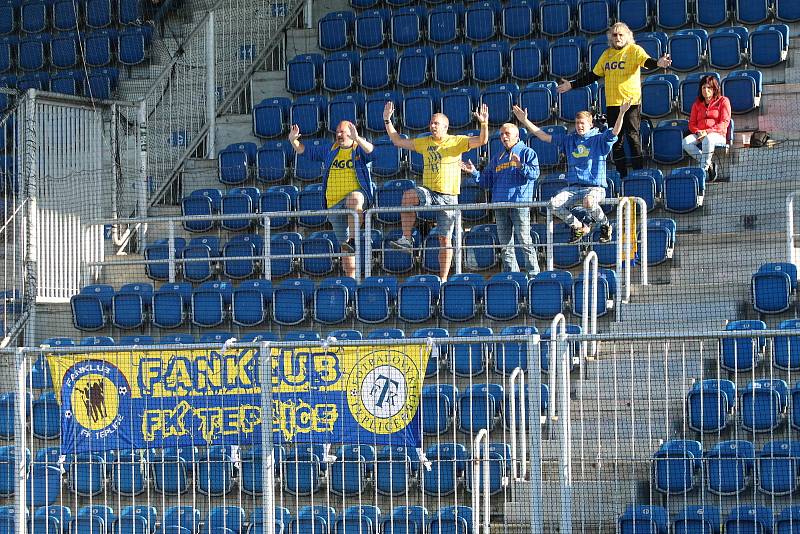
(511,176)
(346,180)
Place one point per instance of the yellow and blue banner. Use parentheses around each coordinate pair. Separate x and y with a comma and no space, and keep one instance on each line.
(166,398)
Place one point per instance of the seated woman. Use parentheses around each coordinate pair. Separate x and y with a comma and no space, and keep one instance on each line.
(708,124)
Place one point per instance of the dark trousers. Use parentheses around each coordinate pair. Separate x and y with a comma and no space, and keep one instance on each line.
(630,130)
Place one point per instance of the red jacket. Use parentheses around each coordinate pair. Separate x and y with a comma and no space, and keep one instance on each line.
(713,117)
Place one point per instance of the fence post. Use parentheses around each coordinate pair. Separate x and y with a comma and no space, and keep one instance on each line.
(20,422)
(267,452)
(141,207)
(211,87)
(534,413)
(31,159)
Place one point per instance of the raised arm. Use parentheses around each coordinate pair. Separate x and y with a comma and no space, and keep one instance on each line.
(482,115)
(294,139)
(522,118)
(365,145)
(622,110)
(397,141)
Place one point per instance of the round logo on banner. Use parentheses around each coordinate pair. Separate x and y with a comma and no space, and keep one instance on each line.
(95,392)
(384,391)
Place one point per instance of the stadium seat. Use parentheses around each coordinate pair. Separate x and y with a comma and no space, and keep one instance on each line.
(742,353)
(748,518)
(177,339)
(458,104)
(373,113)
(547,293)
(291,301)
(249,247)
(97,47)
(549,154)
(345,107)
(448,463)
(538,98)
(660,240)
(333,300)
(695,518)
(643,518)
(303,73)
(31,52)
(480,244)
(654,43)
(556,18)
(787,11)
(393,471)
(348,473)
(488,61)
(407,25)
(481,20)
(418,107)
(414,66)
(127,475)
(417,298)
(711,13)
(751,11)
(676,465)
(634,13)
(688,49)
(47,519)
(86,475)
(671,14)
(276,199)
(450,63)
(201,202)
(572,102)
(8,20)
(375,298)
(214,477)
(461,295)
(499,98)
(479,407)
(730,466)
(504,295)
(593,16)
(788,520)
(566,56)
(453,519)
(743,89)
(604,296)
(250,302)
(470,359)
(308,112)
(64,51)
(769,45)
(339,71)
(301,472)
(45,417)
(710,404)
(526,60)
(659,94)
(170,303)
(668,141)
(170,469)
(132,45)
(200,251)
(33,16)
(787,347)
(510,355)
(210,302)
(371,28)
(565,255)
(772,287)
(438,403)
(445,23)
(335,29)
(130,305)
(66,15)
(689,89)
(270,116)
(239,201)
(763,404)
(726,47)
(377,69)
(91,307)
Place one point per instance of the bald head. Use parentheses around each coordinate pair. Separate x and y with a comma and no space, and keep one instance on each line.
(343,137)
(509,134)
(438,125)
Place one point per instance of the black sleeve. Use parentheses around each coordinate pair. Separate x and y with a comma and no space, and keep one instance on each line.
(585,79)
(651,63)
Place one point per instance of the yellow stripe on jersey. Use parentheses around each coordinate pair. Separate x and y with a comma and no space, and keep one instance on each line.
(620,68)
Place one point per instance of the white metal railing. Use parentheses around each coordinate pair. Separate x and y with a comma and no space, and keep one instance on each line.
(589,310)
(517,385)
(791,251)
(480,484)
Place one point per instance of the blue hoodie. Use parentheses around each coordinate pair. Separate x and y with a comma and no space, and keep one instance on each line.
(586,156)
(510,184)
(362,163)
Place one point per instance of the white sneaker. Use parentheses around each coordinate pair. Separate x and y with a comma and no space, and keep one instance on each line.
(403,243)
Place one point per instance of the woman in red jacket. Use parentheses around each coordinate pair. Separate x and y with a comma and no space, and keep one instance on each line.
(711,114)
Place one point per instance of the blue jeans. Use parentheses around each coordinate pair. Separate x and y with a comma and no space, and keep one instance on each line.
(573,196)
(514,226)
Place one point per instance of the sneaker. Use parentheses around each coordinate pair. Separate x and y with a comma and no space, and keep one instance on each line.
(403,243)
(349,246)
(578,234)
(605,233)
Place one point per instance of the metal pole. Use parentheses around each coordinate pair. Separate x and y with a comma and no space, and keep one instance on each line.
(211,87)
(790,227)
(534,413)
(115,172)
(457,252)
(171,250)
(141,207)
(549,240)
(31,158)
(20,423)
(267,452)
(367,244)
(643,238)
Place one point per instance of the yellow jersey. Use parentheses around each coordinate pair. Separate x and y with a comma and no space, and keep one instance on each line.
(620,68)
(442,171)
(342,178)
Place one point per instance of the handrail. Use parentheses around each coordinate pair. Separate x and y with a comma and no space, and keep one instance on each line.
(791,255)
(589,306)
(480,464)
(558,333)
(518,471)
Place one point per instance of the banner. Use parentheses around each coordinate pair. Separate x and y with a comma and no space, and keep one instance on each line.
(144,399)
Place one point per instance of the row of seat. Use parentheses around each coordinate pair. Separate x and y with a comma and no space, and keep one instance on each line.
(98,83)
(316,519)
(39,16)
(708,519)
(517,18)
(772,287)
(100,48)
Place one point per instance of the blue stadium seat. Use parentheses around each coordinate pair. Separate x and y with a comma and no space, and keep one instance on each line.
(769,45)
(458,104)
(643,518)
(697,519)
(64,50)
(200,251)
(453,519)
(689,89)
(488,61)
(445,23)
(97,341)
(604,295)
(132,44)
(788,520)
(654,43)
(170,469)
(8,46)
(345,107)
(49,519)
(504,295)
(438,403)
(210,302)
(418,297)
(743,89)
(579,99)
(214,477)
(270,116)
(407,25)
(375,298)
(239,201)
(499,98)
(44,485)
(671,14)
(31,52)
(510,355)
(711,13)
(66,15)
(393,472)
(291,301)
(547,293)
(764,404)
(676,465)
(128,12)
(565,255)
(556,18)
(517,19)
(303,73)
(659,94)
(86,474)
(742,353)
(418,107)
(480,244)
(479,407)
(470,359)
(371,28)
(45,417)
(97,47)
(308,112)
(526,60)
(481,20)
(312,197)
(660,240)
(136,340)
(33,16)
(593,16)
(314,245)
(227,519)
(461,295)
(273,163)
(566,56)
(397,261)
(100,83)
(687,48)
(450,63)
(386,333)
(448,463)
(710,404)
(250,247)
(595,49)
(301,472)
(9,468)
(373,114)
(348,476)
(538,98)
(772,287)
(414,67)
(787,11)
(186,517)
(91,306)
(748,518)
(339,71)
(306,169)
(68,83)
(98,13)
(250,302)
(377,68)
(127,472)
(787,347)
(726,47)
(634,13)
(177,339)
(333,300)
(201,202)
(668,141)
(131,304)
(170,303)
(751,11)
(279,198)
(335,29)
(387,162)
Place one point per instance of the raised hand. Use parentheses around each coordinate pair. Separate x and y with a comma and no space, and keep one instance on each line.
(519,113)
(388,110)
(352,131)
(664,61)
(564,86)
(482,113)
(294,133)
(514,159)
(467,167)
(625,106)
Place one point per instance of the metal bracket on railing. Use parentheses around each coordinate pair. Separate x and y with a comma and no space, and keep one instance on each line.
(518,471)
(589,303)
(480,488)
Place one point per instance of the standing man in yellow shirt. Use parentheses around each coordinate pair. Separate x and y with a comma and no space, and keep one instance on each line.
(620,65)
(441,176)
(346,179)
